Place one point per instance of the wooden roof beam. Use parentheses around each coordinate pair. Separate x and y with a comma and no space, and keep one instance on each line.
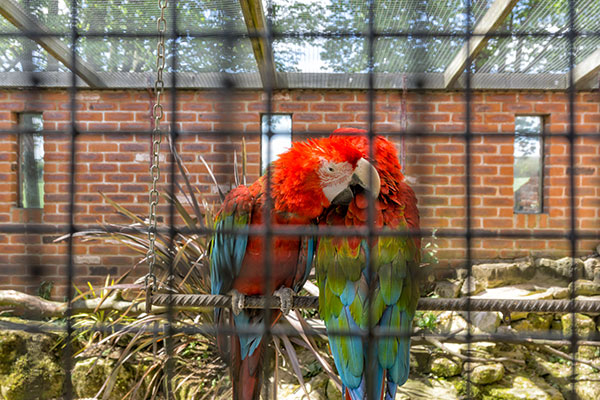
(256,23)
(587,69)
(494,16)
(28,24)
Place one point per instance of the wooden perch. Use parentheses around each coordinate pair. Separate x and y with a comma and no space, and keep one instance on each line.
(29,305)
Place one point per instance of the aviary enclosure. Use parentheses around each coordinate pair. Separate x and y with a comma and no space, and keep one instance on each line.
(125,123)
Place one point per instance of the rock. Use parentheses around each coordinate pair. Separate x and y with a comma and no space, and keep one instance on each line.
(588,388)
(38,377)
(486,321)
(486,374)
(535,322)
(584,325)
(502,274)
(316,387)
(590,266)
(559,292)
(450,322)
(332,391)
(585,288)
(426,389)
(28,368)
(564,267)
(555,373)
(472,287)
(522,388)
(12,345)
(444,367)
(460,384)
(420,357)
(447,289)
(89,375)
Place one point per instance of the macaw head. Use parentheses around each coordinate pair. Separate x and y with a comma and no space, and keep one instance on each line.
(384,152)
(316,173)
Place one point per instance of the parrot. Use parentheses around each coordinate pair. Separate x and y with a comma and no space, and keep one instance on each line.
(305,180)
(347,268)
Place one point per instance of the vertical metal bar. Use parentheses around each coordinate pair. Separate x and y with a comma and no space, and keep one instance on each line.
(68,352)
(468,232)
(371,345)
(572,193)
(268,206)
(174,134)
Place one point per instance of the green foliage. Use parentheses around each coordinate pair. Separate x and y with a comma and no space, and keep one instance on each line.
(425,320)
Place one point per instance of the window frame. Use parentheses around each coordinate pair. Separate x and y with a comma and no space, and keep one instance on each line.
(262,134)
(542,165)
(25,131)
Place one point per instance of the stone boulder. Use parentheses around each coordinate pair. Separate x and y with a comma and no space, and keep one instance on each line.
(562,268)
(585,287)
(523,388)
(447,289)
(444,367)
(426,389)
(590,266)
(89,375)
(502,274)
(584,325)
(28,368)
(488,373)
(534,322)
(486,321)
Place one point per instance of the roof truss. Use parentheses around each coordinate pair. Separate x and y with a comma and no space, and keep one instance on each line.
(587,69)
(30,25)
(493,18)
(256,23)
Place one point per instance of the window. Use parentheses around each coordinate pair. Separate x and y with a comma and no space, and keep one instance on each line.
(281,140)
(31,161)
(528,165)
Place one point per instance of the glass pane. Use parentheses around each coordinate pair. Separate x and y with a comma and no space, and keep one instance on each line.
(281,126)
(527,183)
(31,165)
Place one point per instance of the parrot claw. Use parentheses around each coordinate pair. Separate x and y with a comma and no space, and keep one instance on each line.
(237,302)
(286,297)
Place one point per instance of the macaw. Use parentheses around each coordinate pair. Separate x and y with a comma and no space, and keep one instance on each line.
(344,277)
(305,180)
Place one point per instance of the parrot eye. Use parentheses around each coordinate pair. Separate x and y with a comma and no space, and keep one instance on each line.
(330,169)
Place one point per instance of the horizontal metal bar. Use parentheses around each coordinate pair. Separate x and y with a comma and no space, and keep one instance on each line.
(297,80)
(307,230)
(413,133)
(243,34)
(555,338)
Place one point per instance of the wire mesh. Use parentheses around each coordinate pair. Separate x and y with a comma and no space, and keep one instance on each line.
(368,39)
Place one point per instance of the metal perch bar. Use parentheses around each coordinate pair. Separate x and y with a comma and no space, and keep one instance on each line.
(425,304)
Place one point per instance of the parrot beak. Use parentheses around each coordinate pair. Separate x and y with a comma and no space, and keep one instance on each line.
(365,175)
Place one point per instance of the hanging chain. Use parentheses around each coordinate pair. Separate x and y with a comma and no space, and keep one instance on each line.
(403,124)
(157,113)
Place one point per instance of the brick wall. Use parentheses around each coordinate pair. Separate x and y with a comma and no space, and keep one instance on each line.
(112,157)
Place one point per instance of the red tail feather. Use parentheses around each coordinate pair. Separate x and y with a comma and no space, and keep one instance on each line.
(246,374)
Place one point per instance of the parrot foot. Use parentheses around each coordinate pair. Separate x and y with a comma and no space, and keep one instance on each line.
(286,297)
(237,301)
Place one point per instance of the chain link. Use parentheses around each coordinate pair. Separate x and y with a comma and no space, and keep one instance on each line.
(157,113)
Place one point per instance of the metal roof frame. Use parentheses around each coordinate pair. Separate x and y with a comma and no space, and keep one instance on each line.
(453,78)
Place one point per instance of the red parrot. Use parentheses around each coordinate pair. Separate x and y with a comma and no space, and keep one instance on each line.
(350,268)
(305,180)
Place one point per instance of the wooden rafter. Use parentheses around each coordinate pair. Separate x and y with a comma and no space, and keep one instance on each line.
(494,16)
(256,23)
(30,25)
(586,69)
